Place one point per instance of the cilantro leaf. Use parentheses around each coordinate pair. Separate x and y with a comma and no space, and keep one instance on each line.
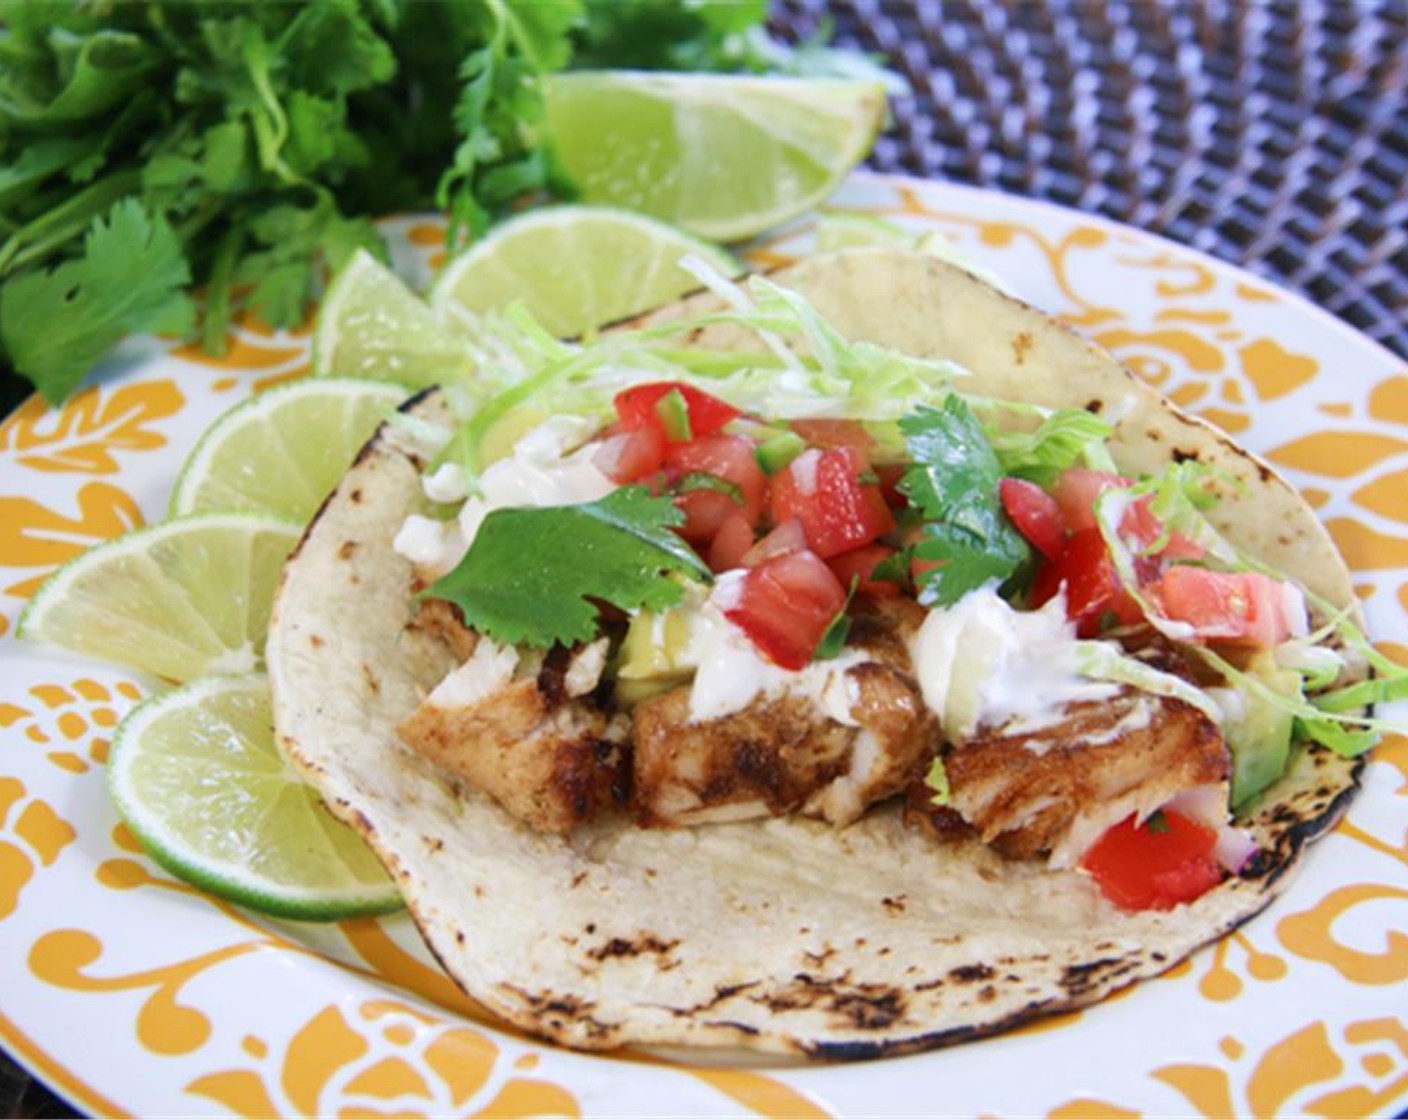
(953,482)
(55,325)
(833,640)
(530,576)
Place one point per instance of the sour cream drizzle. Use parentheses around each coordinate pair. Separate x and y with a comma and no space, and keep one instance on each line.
(550,466)
(730,675)
(980,663)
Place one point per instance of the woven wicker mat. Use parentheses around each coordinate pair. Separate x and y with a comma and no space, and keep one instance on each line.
(1271,135)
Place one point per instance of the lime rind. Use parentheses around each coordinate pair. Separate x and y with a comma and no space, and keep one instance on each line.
(226,469)
(158,599)
(272,845)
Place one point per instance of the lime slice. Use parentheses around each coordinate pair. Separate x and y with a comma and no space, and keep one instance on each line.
(723,156)
(372,326)
(575,268)
(197,777)
(283,451)
(181,599)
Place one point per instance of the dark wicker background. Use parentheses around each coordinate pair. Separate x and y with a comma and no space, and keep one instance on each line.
(1273,135)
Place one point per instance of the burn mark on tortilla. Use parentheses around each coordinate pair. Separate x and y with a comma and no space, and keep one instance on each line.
(1294,824)
(1021,346)
(642,945)
(372,681)
(346,550)
(895,904)
(316,641)
(1096,406)
(1091,977)
(1181,456)
(861,1006)
(969,973)
(554,1010)
(433,843)
(356,496)
(578,879)
(722,994)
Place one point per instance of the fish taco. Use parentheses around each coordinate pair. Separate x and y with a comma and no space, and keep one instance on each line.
(841,663)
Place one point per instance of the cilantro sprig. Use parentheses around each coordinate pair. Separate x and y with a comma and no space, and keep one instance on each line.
(953,482)
(152,150)
(535,576)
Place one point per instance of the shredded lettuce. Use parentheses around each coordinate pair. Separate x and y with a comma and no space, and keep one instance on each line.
(1105,661)
(518,360)
(1333,729)
(1064,438)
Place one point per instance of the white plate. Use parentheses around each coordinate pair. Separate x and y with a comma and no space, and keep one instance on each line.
(131,993)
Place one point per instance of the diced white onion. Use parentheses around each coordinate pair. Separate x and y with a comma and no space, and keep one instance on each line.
(1234,848)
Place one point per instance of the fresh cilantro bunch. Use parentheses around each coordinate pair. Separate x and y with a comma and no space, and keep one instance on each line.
(167,164)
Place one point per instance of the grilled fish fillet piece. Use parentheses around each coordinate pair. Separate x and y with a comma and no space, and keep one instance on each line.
(538,744)
(781,754)
(1056,788)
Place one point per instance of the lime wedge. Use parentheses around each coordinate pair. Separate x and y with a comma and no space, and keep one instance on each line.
(197,777)
(575,268)
(181,599)
(372,326)
(723,156)
(283,451)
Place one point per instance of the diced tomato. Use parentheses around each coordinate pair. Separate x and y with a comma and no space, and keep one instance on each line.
(731,542)
(1167,860)
(629,456)
(729,458)
(1036,515)
(1093,589)
(786,604)
(1140,527)
(636,407)
(889,475)
(859,564)
(1239,608)
(787,537)
(824,491)
(824,432)
(1075,492)
(704,511)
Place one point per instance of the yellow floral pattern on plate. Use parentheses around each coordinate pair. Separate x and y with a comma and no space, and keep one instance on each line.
(206,1008)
